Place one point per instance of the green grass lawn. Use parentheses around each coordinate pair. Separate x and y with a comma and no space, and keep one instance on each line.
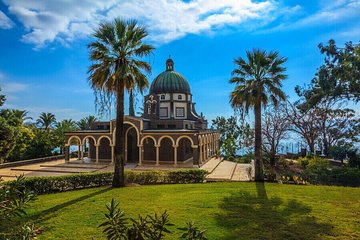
(226,210)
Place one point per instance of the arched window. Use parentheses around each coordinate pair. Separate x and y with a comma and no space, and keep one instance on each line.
(162,97)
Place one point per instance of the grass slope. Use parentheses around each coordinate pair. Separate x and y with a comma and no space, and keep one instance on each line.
(227,210)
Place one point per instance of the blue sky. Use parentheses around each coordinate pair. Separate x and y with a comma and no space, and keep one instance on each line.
(44,56)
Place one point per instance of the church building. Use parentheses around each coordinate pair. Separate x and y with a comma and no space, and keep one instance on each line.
(169,132)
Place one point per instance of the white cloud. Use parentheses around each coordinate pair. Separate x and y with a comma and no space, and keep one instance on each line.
(331,12)
(14,87)
(167,20)
(5,22)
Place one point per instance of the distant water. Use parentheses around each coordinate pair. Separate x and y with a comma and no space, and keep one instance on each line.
(73,148)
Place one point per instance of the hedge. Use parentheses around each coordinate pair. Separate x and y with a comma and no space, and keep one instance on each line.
(44,185)
(348,177)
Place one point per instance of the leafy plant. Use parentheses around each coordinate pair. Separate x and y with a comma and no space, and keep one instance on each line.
(14,197)
(192,232)
(117,226)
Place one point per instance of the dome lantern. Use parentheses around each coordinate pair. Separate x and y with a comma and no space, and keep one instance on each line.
(169,81)
(169,64)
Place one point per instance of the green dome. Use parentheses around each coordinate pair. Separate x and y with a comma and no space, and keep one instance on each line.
(169,81)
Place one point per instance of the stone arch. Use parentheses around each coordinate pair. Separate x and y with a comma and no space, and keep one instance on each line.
(131,124)
(149,148)
(166,149)
(131,145)
(185,149)
(145,137)
(71,138)
(200,138)
(184,136)
(104,136)
(86,137)
(166,136)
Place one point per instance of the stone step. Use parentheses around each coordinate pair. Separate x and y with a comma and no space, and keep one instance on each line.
(59,170)
(241,172)
(211,164)
(72,166)
(224,171)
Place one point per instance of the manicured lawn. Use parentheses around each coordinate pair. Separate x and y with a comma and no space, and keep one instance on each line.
(226,210)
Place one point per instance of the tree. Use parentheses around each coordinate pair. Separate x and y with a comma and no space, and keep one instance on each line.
(336,125)
(132,103)
(258,81)
(22,115)
(9,129)
(42,144)
(8,135)
(46,121)
(86,123)
(66,125)
(235,134)
(2,99)
(274,130)
(116,55)
(22,144)
(304,123)
(339,76)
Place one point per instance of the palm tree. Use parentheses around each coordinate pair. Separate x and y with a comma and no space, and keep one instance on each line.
(86,123)
(46,121)
(132,103)
(258,81)
(116,54)
(21,115)
(66,125)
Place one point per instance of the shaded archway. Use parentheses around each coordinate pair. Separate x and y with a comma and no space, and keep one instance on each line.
(104,149)
(166,150)
(184,150)
(149,149)
(132,149)
(74,147)
(89,143)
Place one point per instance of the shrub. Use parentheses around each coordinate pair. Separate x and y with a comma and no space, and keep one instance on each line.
(14,197)
(117,226)
(43,185)
(319,172)
(354,159)
(346,177)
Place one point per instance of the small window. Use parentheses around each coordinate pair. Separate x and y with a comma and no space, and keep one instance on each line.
(160,126)
(180,112)
(163,112)
(179,97)
(171,126)
(162,97)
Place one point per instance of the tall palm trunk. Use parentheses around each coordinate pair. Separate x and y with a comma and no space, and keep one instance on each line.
(131,104)
(259,176)
(119,178)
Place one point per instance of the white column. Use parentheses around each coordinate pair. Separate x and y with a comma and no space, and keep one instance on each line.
(204,152)
(89,151)
(140,154)
(82,151)
(200,154)
(126,147)
(79,152)
(112,153)
(157,155)
(175,154)
(97,152)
